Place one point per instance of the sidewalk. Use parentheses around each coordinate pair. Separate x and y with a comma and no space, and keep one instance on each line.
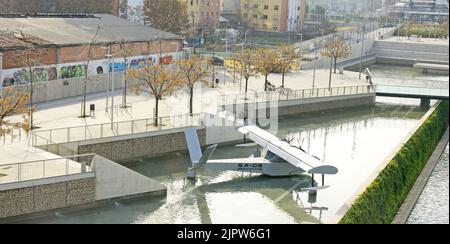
(64,113)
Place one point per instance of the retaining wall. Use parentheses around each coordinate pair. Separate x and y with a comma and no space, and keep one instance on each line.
(40,198)
(325,62)
(413,51)
(153,144)
(139,145)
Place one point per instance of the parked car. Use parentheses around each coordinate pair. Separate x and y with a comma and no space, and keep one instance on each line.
(216,61)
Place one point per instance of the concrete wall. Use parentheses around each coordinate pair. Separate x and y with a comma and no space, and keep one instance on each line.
(139,145)
(325,62)
(59,89)
(115,181)
(40,198)
(301,106)
(325,104)
(224,129)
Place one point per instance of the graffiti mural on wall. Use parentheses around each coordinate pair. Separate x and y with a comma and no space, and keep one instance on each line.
(22,76)
(43,74)
(166,60)
(134,63)
(73,71)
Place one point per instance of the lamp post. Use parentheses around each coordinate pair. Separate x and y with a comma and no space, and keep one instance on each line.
(111,77)
(242,53)
(362,50)
(108,55)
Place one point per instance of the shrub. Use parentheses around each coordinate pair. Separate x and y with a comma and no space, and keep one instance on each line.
(381,201)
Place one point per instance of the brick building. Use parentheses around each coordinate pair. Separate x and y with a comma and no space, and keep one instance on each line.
(204,13)
(115,7)
(61,46)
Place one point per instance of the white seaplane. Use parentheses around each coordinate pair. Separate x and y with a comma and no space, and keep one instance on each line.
(281,160)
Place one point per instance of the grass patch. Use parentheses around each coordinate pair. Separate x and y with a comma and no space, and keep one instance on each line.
(381,201)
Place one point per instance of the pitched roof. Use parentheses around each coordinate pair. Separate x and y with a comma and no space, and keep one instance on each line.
(67,31)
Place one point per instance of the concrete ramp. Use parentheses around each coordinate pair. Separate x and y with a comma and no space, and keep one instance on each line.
(115,181)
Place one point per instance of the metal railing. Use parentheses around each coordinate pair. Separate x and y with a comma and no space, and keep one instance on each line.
(41,169)
(288,95)
(412,90)
(105,130)
(11,135)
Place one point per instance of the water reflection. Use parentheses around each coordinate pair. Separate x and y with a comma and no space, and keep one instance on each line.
(433,204)
(354,140)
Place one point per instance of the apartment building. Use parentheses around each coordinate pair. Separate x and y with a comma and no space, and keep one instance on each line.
(274,15)
(204,13)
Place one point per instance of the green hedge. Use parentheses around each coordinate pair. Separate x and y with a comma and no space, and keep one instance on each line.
(381,201)
(424,30)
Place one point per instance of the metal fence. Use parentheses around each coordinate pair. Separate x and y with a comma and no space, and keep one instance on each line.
(10,135)
(41,169)
(105,130)
(288,95)
(412,90)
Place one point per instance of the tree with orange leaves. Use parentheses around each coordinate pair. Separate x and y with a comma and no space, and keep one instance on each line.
(193,70)
(336,49)
(13,103)
(286,58)
(265,63)
(245,66)
(155,79)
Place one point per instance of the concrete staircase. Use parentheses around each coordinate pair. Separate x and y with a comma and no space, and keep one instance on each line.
(405,50)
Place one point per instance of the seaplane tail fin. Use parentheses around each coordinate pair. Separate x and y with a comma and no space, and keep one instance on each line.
(193,144)
(206,156)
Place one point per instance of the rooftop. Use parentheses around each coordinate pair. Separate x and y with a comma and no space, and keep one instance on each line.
(68,30)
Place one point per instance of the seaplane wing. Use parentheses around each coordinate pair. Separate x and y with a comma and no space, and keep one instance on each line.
(286,151)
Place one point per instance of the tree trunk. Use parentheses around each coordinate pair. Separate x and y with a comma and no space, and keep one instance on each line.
(265,83)
(335,64)
(191,101)
(124,96)
(31,96)
(331,72)
(246,85)
(156,110)
(282,80)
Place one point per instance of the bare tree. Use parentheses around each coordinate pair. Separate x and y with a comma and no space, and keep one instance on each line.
(86,74)
(124,49)
(30,57)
